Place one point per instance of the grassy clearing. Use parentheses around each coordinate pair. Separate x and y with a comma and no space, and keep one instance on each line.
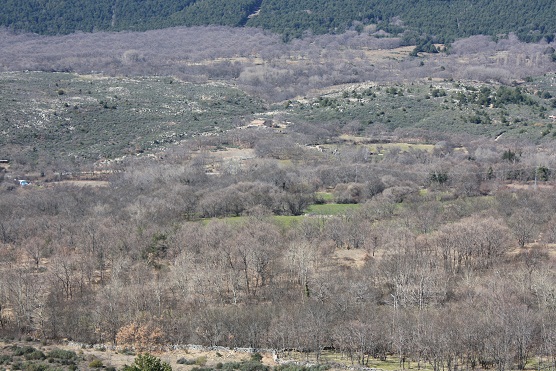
(325,196)
(404,147)
(391,363)
(331,209)
(288,221)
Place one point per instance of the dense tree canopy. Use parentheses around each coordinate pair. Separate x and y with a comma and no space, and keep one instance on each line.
(446,20)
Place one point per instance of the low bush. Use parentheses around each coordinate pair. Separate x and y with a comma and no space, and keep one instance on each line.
(147,362)
(62,354)
(128,352)
(253,366)
(185,361)
(95,363)
(35,367)
(35,355)
(5,359)
(201,361)
(256,357)
(229,366)
(20,351)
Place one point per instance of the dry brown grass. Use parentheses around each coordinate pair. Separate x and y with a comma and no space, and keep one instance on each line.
(543,248)
(353,258)
(83,183)
(382,54)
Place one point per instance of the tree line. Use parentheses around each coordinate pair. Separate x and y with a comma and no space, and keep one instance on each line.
(444,20)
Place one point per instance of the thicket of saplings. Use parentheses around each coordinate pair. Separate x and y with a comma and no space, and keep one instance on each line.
(458,269)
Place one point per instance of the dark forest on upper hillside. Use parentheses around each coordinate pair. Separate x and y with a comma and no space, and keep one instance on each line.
(445,20)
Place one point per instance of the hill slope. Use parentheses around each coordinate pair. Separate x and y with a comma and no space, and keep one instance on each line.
(446,20)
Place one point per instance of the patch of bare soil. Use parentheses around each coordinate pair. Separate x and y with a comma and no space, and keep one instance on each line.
(234,154)
(530,186)
(378,55)
(547,249)
(83,183)
(353,258)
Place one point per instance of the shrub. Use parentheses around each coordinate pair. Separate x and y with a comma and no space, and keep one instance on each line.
(36,355)
(201,361)
(20,351)
(185,361)
(231,366)
(253,366)
(256,357)
(61,354)
(147,362)
(128,352)
(35,367)
(95,363)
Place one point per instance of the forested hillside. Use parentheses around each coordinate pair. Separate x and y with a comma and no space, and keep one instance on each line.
(446,20)
(435,254)
(351,198)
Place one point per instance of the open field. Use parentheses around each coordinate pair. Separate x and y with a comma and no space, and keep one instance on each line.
(331,209)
